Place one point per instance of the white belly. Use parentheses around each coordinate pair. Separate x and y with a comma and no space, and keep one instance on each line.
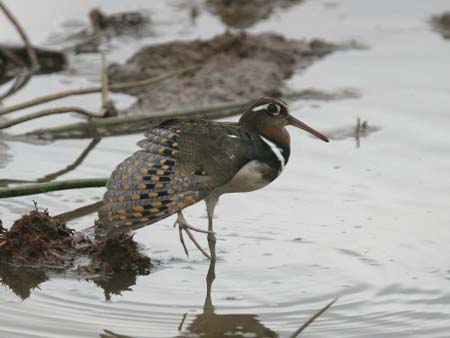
(250,177)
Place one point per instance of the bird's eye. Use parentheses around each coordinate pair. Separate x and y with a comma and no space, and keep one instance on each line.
(273,109)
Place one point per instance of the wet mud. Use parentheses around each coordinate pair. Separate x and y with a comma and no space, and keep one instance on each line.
(45,243)
(233,67)
(244,14)
(441,24)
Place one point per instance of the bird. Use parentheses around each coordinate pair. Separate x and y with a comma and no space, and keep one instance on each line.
(182,162)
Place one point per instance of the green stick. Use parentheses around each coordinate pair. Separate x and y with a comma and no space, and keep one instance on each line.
(39,188)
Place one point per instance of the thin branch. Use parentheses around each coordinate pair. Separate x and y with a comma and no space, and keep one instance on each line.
(46,112)
(313,318)
(30,50)
(12,56)
(131,123)
(20,81)
(96,89)
(105,83)
(80,212)
(39,188)
(72,166)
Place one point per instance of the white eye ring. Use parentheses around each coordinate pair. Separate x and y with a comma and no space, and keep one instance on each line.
(277,107)
(266,107)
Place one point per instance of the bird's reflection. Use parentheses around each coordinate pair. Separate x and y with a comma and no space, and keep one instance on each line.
(212,325)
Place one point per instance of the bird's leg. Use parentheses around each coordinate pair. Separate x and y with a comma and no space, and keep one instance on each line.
(211,202)
(183,225)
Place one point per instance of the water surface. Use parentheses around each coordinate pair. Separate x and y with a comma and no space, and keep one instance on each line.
(368,224)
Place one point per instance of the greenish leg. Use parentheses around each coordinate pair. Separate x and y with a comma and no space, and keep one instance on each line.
(211,202)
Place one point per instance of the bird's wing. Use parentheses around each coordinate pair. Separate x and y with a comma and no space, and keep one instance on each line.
(179,164)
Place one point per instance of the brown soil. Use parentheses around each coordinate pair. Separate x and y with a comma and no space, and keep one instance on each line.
(234,67)
(39,240)
(244,14)
(441,23)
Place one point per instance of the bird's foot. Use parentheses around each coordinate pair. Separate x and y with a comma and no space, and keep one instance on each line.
(184,226)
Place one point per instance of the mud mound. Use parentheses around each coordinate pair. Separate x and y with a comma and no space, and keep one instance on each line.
(119,254)
(234,67)
(441,23)
(39,240)
(244,14)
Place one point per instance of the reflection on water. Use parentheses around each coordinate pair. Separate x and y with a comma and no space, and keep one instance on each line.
(117,282)
(22,280)
(209,324)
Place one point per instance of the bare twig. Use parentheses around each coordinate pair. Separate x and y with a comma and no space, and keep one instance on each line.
(72,166)
(129,124)
(20,81)
(30,50)
(12,56)
(105,83)
(81,212)
(132,123)
(39,188)
(313,318)
(96,89)
(46,112)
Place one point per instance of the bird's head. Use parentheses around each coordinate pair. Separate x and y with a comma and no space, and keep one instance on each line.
(269,116)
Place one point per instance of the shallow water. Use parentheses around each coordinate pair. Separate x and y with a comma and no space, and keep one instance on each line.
(368,224)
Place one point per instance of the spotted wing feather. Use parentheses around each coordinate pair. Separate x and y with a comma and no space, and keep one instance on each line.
(179,164)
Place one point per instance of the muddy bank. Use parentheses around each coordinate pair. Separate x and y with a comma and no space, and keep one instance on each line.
(39,240)
(233,67)
(244,14)
(441,24)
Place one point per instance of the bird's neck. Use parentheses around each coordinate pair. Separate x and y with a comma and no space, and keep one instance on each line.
(278,142)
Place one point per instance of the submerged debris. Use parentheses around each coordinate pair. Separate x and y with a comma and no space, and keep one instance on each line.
(361,130)
(234,67)
(441,24)
(120,23)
